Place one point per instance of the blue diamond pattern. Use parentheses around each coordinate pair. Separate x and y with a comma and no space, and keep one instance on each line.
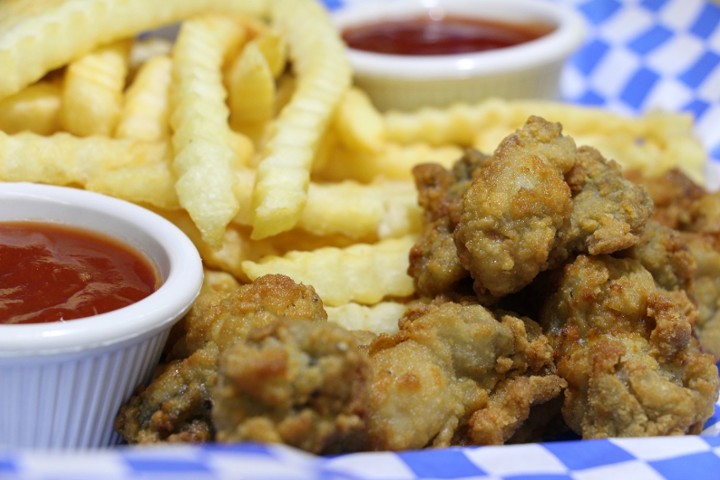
(650,40)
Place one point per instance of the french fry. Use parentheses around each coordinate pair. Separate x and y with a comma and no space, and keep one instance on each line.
(245,179)
(39,36)
(461,123)
(454,125)
(387,209)
(92,93)
(64,159)
(393,162)
(204,157)
(347,207)
(362,273)
(323,74)
(358,123)
(219,281)
(285,88)
(324,151)
(235,247)
(379,318)
(677,143)
(403,215)
(145,112)
(303,241)
(244,149)
(654,141)
(382,210)
(251,91)
(36,109)
(152,184)
(273,47)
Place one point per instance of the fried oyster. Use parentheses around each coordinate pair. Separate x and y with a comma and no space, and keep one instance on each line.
(457,374)
(626,348)
(558,233)
(260,363)
(535,202)
(551,293)
(274,330)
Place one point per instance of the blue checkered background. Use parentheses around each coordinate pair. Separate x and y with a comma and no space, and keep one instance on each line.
(648,54)
(639,55)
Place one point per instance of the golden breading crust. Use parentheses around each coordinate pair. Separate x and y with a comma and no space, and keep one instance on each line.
(627,350)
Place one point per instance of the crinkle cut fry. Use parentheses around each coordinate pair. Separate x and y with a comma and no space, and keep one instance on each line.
(456,374)
(34,109)
(203,155)
(324,74)
(43,35)
(251,88)
(653,142)
(363,273)
(145,113)
(92,162)
(93,90)
(626,348)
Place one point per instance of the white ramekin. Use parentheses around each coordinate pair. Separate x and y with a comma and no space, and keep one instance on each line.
(62,383)
(528,70)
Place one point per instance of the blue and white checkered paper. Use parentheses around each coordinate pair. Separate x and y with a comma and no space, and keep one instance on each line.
(642,55)
(671,458)
(639,55)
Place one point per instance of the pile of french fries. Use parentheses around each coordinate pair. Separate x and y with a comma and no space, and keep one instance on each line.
(238,121)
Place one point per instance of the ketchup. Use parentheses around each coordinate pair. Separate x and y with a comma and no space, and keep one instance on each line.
(51,272)
(445,35)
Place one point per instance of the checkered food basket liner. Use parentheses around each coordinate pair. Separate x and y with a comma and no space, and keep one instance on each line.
(640,55)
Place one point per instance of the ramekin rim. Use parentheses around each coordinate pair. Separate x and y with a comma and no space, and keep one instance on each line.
(138,320)
(555,46)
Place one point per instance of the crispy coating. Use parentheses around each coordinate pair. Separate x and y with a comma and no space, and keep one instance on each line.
(296,382)
(536,203)
(609,212)
(176,405)
(666,254)
(512,211)
(705,288)
(517,410)
(626,348)
(620,289)
(705,213)
(535,229)
(673,195)
(453,374)
(434,264)
(433,260)
(703,237)
(456,374)
(691,219)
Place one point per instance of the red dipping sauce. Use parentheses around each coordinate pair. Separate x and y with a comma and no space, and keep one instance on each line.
(52,273)
(424,35)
